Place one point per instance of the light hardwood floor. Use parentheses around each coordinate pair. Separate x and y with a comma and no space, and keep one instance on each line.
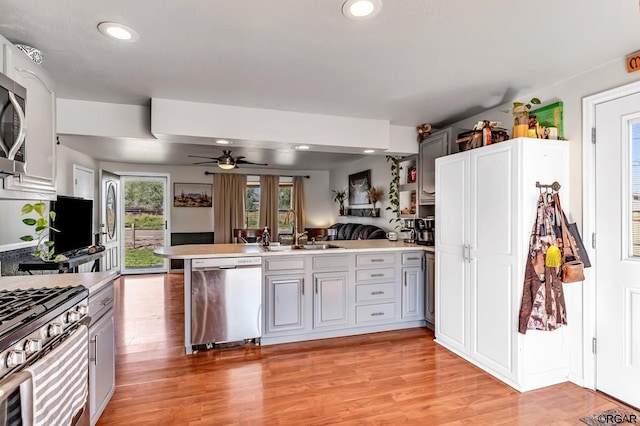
(398,377)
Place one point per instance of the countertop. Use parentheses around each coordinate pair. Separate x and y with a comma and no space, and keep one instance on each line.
(200,251)
(94,281)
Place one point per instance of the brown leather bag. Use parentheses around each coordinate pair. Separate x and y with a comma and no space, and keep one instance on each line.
(572,271)
(572,266)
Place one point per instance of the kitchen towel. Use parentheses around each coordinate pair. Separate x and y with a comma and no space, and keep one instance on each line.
(60,380)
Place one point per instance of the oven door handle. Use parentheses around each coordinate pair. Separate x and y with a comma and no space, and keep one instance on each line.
(12,383)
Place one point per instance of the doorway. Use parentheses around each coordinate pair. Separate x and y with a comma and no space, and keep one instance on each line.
(612,219)
(145,224)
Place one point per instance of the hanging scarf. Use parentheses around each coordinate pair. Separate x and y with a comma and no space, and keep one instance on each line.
(543,306)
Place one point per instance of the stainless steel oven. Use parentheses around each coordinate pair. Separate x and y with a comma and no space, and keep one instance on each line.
(44,356)
(13,127)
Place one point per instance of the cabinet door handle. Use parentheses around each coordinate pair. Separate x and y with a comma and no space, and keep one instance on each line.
(377,275)
(106,301)
(377,314)
(429,193)
(373,293)
(95,350)
(465,257)
(303,286)
(316,286)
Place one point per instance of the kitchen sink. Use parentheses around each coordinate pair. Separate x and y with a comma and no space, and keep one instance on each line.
(317,246)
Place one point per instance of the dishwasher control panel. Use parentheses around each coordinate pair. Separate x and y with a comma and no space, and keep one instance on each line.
(227,262)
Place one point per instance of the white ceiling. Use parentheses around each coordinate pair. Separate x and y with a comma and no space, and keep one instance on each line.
(417,61)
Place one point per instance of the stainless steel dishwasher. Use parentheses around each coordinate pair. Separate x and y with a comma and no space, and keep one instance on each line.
(226,300)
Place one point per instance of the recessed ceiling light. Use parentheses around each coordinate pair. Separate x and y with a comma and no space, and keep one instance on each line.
(361,9)
(369,151)
(118,32)
(223,142)
(303,147)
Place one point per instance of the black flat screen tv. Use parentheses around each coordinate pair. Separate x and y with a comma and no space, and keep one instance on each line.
(74,220)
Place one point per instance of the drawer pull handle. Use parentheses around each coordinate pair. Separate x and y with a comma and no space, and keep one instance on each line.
(377,275)
(377,260)
(106,301)
(377,314)
(413,258)
(376,292)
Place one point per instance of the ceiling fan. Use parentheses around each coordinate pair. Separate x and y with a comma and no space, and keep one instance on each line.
(226,161)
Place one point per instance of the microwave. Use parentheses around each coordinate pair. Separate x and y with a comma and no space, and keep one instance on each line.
(13,127)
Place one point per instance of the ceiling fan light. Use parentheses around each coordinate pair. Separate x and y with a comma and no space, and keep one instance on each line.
(226,162)
(226,166)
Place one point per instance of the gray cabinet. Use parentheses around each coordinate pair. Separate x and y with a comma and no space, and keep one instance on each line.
(435,146)
(429,287)
(330,299)
(285,297)
(39,179)
(102,378)
(412,293)
(285,303)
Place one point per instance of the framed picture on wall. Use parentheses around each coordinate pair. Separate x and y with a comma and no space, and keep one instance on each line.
(192,195)
(359,184)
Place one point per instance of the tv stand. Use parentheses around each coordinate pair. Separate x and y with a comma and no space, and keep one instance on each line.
(69,265)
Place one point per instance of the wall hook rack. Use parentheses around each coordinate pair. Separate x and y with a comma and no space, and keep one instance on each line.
(555,186)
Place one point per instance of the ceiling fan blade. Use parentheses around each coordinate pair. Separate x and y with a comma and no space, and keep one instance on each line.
(205,162)
(250,162)
(200,156)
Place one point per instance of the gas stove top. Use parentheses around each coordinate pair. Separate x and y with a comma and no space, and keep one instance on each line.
(31,319)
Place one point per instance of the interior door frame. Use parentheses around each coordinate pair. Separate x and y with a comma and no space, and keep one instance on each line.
(167,215)
(589,105)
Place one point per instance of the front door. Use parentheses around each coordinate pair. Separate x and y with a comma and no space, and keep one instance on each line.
(145,223)
(109,220)
(617,181)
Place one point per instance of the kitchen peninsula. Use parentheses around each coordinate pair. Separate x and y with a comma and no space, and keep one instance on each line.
(356,287)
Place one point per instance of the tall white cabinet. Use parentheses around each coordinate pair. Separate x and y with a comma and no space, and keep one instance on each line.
(485,207)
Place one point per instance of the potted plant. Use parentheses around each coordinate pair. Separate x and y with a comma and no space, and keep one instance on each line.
(44,248)
(374,194)
(339,197)
(394,191)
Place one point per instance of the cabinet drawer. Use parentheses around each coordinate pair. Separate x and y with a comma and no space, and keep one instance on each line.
(100,302)
(382,274)
(412,259)
(375,259)
(330,262)
(371,313)
(291,264)
(369,292)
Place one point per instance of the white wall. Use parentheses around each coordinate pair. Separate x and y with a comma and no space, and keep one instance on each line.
(185,219)
(380,176)
(66,158)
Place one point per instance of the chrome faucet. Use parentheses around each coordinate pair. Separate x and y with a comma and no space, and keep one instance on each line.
(291,218)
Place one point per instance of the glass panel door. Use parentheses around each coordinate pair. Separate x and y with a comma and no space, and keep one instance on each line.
(145,223)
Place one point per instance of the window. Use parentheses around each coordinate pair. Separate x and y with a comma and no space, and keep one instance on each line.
(252,203)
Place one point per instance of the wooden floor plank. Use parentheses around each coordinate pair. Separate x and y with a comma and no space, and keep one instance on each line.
(399,377)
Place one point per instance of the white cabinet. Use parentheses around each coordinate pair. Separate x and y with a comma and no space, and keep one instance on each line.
(412,293)
(330,299)
(285,303)
(102,378)
(435,146)
(485,204)
(39,179)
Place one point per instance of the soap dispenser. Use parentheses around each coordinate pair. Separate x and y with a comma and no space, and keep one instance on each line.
(265,236)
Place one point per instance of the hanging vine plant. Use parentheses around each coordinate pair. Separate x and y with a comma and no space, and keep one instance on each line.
(394,191)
